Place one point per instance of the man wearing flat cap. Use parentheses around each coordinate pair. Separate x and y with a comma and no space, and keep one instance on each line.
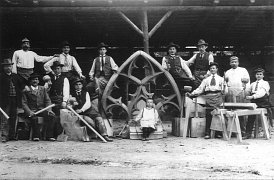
(23,60)
(237,80)
(102,68)
(34,100)
(258,93)
(69,62)
(213,88)
(200,61)
(177,66)
(10,97)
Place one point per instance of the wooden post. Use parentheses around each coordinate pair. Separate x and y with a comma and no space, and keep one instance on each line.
(145,32)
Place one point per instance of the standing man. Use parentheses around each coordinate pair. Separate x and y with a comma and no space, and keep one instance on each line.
(177,66)
(34,100)
(259,94)
(69,62)
(23,60)
(237,79)
(59,94)
(83,107)
(200,61)
(10,88)
(213,87)
(102,68)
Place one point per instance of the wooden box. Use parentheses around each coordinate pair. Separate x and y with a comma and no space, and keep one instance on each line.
(136,133)
(197,128)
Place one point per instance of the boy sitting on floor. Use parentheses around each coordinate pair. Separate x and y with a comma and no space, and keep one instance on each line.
(148,118)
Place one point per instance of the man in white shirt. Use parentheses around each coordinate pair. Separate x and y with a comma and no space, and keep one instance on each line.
(102,68)
(258,93)
(237,80)
(69,62)
(177,67)
(23,60)
(212,87)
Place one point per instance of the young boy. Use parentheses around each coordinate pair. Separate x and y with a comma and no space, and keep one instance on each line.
(177,66)
(102,68)
(212,87)
(84,107)
(148,118)
(200,61)
(259,94)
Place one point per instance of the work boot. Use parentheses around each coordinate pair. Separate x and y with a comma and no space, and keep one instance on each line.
(107,139)
(247,136)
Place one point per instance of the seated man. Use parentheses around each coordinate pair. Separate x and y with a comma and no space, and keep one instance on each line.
(259,94)
(148,118)
(83,107)
(34,100)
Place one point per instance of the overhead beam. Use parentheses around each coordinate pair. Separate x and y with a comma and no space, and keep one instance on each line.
(131,23)
(159,24)
(145,32)
(130,8)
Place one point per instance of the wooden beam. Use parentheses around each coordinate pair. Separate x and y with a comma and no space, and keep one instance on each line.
(131,23)
(158,25)
(130,8)
(145,32)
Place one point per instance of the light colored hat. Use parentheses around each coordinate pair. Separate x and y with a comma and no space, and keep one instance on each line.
(25,40)
(234,58)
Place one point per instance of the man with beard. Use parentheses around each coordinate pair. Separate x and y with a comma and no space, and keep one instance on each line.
(10,88)
(69,62)
(23,60)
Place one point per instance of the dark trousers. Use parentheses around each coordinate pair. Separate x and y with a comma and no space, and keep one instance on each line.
(8,125)
(49,122)
(57,127)
(147,131)
(250,124)
(208,121)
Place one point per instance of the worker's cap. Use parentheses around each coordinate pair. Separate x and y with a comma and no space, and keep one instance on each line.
(25,40)
(202,42)
(33,75)
(234,58)
(102,44)
(213,64)
(259,70)
(172,45)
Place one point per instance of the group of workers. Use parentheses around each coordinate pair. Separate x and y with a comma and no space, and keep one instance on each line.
(65,85)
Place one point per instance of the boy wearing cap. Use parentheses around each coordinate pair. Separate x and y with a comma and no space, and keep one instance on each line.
(213,88)
(68,61)
(83,107)
(102,68)
(237,79)
(23,60)
(200,61)
(258,93)
(34,100)
(176,65)
(10,93)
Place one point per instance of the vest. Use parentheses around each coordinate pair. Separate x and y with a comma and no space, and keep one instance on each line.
(81,100)
(57,86)
(175,67)
(262,102)
(107,70)
(201,64)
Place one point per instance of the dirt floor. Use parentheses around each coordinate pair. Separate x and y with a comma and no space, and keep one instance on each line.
(168,158)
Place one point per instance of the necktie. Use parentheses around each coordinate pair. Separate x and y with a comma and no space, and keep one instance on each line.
(256,87)
(213,81)
(102,63)
(56,77)
(66,61)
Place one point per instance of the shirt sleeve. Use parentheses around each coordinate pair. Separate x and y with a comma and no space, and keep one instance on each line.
(200,89)
(14,60)
(91,72)
(139,116)
(262,90)
(191,60)
(42,59)
(113,64)
(246,75)
(156,116)
(164,65)
(47,65)
(66,90)
(185,68)
(210,58)
(76,66)
(87,104)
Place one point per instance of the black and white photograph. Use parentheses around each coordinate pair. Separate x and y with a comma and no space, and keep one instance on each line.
(136,89)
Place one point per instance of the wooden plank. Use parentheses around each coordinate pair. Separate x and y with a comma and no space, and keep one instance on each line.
(250,112)
(159,24)
(241,105)
(265,125)
(131,23)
